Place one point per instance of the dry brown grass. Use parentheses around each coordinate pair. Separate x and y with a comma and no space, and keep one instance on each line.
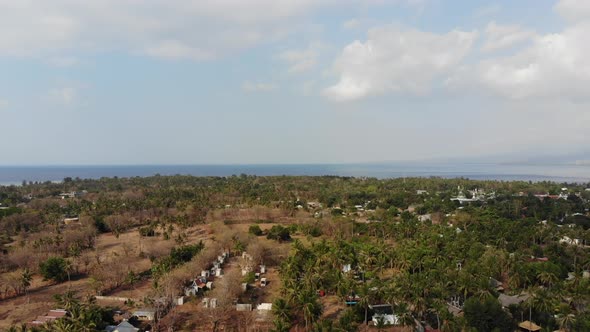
(112,253)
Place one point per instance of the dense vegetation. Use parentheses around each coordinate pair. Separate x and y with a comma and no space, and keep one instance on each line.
(409,243)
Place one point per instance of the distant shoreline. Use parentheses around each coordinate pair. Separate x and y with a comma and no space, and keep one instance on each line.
(14,175)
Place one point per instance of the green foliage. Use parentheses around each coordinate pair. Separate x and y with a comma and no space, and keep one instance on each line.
(487,315)
(84,316)
(185,253)
(255,230)
(100,225)
(147,231)
(412,264)
(311,229)
(178,256)
(54,268)
(250,277)
(279,233)
(9,211)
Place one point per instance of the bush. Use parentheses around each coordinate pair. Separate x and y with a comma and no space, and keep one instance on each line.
(54,268)
(147,231)
(255,230)
(279,233)
(311,230)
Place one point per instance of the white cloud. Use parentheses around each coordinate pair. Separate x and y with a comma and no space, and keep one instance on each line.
(574,10)
(504,36)
(65,95)
(170,29)
(397,60)
(554,66)
(258,86)
(302,60)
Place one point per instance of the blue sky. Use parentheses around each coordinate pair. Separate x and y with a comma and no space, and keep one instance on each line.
(278,81)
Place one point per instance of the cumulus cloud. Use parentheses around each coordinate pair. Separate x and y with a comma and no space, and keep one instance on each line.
(397,60)
(574,10)
(258,86)
(504,36)
(554,66)
(172,29)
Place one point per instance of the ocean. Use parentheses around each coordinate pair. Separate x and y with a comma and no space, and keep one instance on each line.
(14,175)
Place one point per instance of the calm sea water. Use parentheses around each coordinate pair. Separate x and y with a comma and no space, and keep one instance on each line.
(560,173)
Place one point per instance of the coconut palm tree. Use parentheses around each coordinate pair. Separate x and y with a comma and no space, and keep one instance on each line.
(60,325)
(566,321)
(404,315)
(366,298)
(281,309)
(547,278)
(310,306)
(280,326)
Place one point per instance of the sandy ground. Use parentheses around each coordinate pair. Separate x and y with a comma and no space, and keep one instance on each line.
(40,296)
(39,300)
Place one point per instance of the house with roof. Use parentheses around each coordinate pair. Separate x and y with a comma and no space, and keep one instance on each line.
(199,284)
(508,300)
(529,326)
(496,284)
(124,326)
(383,313)
(145,314)
(51,316)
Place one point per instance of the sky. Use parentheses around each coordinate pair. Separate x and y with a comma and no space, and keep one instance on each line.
(100,82)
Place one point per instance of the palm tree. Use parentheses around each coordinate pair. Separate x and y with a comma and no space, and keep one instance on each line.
(280,326)
(547,278)
(310,306)
(68,300)
(20,328)
(365,294)
(25,280)
(566,321)
(324,326)
(404,315)
(281,310)
(60,325)
(540,300)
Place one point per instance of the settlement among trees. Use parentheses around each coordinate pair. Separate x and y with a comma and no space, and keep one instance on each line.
(248,253)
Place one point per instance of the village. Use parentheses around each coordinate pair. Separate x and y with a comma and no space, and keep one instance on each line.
(254,267)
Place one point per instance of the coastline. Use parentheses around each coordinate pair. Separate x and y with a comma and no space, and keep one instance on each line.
(14,175)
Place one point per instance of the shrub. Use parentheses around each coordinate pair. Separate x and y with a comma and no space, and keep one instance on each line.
(279,233)
(255,229)
(54,268)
